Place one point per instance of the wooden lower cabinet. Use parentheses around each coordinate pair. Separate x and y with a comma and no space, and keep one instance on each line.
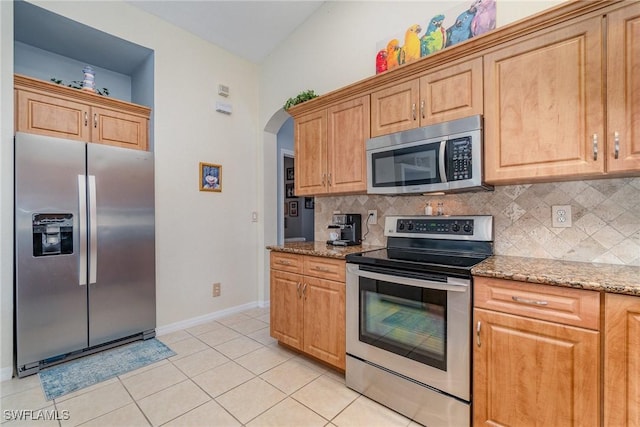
(533,372)
(308,309)
(622,360)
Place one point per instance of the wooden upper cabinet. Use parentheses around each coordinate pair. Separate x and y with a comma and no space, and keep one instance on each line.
(447,93)
(451,93)
(623,89)
(622,361)
(310,146)
(544,106)
(53,110)
(395,109)
(330,149)
(347,132)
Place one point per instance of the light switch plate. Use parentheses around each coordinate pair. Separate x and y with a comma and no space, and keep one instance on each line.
(561,216)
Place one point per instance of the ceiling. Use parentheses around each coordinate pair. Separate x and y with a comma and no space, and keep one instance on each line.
(248,29)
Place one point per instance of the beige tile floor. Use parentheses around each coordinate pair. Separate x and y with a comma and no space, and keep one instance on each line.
(228,372)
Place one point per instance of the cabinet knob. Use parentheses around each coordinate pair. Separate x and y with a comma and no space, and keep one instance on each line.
(616,149)
(304,291)
(595,146)
(413,111)
(329,179)
(478,333)
(422,108)
(298,290)
(95,120)
(86,118)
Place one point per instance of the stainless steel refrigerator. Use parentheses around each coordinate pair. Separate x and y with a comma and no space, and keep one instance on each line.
(84,249)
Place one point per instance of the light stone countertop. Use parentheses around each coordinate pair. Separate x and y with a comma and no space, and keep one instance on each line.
(322,249)
(619,279)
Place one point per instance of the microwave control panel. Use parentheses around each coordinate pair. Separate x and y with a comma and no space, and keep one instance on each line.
(459,159)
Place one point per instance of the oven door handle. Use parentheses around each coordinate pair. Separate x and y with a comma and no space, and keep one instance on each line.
(453,284)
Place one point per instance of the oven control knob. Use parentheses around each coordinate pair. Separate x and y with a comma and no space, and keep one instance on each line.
(467,228)
(455,228)
(410,226)
(401,226)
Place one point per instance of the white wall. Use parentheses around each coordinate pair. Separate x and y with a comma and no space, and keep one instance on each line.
(201,237)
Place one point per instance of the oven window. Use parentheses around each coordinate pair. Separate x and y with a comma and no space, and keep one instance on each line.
(406,166)
(406,320)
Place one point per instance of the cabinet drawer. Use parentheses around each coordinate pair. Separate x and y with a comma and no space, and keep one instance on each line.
(573,307)
(286,262)
(325,268)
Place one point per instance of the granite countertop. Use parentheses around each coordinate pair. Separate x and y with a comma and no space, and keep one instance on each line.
(619,279)
(322,249)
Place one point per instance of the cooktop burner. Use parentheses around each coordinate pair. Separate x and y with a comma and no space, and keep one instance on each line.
(446,244)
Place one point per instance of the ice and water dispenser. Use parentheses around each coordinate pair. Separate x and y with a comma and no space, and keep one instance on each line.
(52,234)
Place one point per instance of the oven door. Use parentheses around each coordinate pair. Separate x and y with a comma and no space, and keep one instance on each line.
(416,325)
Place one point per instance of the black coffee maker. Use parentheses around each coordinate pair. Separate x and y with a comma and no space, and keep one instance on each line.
(346,230)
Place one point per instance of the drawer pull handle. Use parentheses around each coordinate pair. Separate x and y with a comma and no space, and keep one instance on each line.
(529,301)
(284,262)
(616,140)
(478,333)
(422,108)
(304,291)
(298,290)
(95,120)
(413,111)
(86,118)
(324,269)
(595,146)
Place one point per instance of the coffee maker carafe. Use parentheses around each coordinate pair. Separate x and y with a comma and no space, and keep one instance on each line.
(345,230)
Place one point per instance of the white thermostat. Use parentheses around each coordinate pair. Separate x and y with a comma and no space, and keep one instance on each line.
(221,107)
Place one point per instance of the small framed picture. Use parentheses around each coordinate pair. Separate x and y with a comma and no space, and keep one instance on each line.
(289,191)
(293,208)
(289,174)
(210,177)
(309,202)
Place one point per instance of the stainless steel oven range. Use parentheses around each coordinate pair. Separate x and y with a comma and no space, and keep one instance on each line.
(409,316)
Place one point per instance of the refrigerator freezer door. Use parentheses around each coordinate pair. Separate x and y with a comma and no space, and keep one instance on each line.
(122,263)
(51,302)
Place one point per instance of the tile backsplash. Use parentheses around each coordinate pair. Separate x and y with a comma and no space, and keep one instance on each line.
(605,216)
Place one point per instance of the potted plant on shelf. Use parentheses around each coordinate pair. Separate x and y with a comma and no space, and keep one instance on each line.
(302,97)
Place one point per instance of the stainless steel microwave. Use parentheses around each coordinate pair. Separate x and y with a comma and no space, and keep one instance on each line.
(446,157)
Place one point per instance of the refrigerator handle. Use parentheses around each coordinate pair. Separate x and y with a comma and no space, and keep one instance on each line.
(82,229)
(93,232)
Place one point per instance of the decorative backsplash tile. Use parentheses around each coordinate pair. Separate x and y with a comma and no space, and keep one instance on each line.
(605,216)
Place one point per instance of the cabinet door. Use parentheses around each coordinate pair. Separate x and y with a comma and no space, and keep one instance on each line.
(286,308)
(395,109)
(48,115)
(310,138)
(324,320)
(534,373)
(622,361)
(119,129)
(543,106)
(451,93)
(347,132)
(623,89)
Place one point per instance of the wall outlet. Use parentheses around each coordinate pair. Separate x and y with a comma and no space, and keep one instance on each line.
(372,217)
(216,290)
(561,216)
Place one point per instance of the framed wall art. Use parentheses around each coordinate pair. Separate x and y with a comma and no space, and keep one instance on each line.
(289,174)
(210,177)
(289,189)
(309,202)
(293,208)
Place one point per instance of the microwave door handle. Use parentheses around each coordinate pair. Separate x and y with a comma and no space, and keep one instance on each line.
(441,161)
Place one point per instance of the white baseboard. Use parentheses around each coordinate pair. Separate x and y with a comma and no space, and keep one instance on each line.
(194,321)
(6,373)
